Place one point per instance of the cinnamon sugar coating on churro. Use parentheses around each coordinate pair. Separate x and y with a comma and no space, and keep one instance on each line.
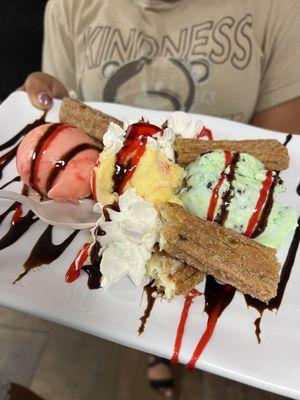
(270,152)
(229,256)
(92,121)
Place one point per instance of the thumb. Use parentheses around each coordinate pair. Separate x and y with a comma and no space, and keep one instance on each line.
(41,88)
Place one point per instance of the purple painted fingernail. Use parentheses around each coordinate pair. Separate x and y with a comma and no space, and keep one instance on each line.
(44,99)
(168,393)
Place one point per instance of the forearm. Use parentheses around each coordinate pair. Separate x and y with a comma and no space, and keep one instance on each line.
(284,117)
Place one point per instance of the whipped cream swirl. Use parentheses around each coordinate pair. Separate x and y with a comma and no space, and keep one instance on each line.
(184,125)
(129,239)
(114,137)
(163,143)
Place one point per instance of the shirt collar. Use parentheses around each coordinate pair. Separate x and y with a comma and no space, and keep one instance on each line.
(157,5)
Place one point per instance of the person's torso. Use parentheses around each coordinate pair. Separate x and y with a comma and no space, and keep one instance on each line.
(199,56)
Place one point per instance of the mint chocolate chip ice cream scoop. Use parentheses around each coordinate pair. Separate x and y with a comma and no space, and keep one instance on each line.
(236,191)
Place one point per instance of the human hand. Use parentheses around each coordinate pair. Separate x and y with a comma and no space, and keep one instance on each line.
(42,88)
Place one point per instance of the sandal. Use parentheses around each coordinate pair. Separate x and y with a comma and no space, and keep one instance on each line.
(165,387)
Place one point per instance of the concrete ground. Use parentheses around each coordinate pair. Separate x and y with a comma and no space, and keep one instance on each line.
(59,363)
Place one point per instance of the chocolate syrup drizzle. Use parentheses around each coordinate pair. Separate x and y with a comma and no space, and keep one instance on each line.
(18,228)
(45,251)
(63,161)
(263,219)
(286,270)
(6,158)
(150,290)
(287,140)
(12,208)
(23,132)
(229,194)
(93,269)
(16,179)
(37,150)
(133,149)
(216,295)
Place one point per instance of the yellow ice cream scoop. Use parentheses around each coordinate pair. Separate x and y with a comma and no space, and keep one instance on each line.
(155,178)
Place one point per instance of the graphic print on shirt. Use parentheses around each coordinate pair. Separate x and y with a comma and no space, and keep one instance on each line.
(169,73)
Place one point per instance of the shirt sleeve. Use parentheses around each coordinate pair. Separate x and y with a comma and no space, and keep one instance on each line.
(280,70)
(58,47)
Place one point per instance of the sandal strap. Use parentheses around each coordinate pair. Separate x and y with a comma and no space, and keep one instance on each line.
(159,360)
(162,384)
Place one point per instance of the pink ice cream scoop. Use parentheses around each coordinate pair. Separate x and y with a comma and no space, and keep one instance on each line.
(56,160)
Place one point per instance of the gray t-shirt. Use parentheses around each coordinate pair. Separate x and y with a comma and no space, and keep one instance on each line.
(223,58)
(4,387)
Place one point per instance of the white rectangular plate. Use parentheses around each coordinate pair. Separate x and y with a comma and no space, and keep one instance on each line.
(233,351)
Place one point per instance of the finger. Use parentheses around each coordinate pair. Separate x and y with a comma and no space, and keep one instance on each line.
(58,90)
(38,87)
(42,88)
(21,89)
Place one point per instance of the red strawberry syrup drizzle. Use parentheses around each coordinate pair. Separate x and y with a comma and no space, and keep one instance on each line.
(184,314)
(215,193)
(205,132)
(129,156)
(226,292)
(213,315)
(260,203)
(76,266)
(19,210)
